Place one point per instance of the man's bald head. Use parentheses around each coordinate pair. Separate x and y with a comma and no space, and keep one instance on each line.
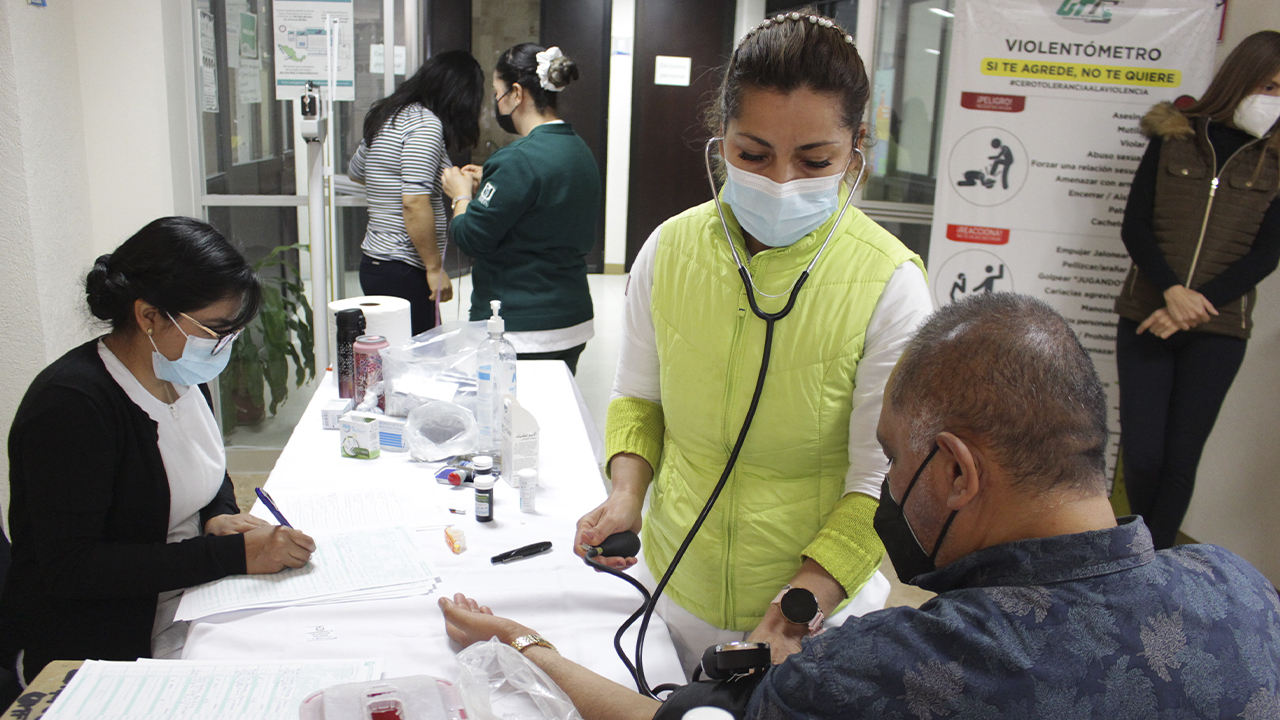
(1008,371)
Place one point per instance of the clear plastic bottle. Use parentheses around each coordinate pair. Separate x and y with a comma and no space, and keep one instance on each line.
(495,377)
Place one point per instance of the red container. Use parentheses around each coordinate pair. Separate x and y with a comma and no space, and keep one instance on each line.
(368,359)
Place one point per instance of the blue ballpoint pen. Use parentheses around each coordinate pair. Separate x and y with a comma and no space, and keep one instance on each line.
(271,505)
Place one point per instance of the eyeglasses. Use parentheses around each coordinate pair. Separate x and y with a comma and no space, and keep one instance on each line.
(224,339)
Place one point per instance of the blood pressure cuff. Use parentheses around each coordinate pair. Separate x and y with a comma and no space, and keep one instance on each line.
(731,695)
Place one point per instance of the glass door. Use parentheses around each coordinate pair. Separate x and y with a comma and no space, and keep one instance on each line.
(255,178)
(908,79)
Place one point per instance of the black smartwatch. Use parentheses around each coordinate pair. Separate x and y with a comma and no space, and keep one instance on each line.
(799,606)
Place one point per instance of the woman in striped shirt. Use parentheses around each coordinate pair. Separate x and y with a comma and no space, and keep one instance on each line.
(399,161)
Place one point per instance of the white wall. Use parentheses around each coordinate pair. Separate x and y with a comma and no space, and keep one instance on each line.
(1237,499)
(95,141)
(45,242)
(128,73)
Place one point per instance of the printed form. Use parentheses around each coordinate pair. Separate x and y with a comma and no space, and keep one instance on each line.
(359,564)
(160,689)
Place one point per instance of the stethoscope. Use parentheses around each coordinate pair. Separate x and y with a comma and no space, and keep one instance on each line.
(770,319)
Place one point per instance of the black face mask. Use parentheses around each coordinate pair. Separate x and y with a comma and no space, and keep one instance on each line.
(504,121)
(900,541)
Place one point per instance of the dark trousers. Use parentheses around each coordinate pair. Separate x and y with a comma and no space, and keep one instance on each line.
(1170,394)
(402,280)
(570,356)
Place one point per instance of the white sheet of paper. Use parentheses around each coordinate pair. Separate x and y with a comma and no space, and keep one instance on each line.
(196,690)
(346,565)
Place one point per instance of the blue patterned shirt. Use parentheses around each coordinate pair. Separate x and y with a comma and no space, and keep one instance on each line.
(1092,625)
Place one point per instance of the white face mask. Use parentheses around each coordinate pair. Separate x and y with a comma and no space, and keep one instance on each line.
(198,364)
(779,214)
(1257,113)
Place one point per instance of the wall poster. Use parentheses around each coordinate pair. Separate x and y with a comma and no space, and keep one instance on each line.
(1039,145)
(302,47)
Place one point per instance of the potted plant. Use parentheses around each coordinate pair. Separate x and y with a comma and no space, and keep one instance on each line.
(284,330)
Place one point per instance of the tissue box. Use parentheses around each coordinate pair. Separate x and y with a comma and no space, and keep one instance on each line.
(331,412)
(360,438)
(391,430)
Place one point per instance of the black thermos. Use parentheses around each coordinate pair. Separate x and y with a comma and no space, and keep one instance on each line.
(350,326)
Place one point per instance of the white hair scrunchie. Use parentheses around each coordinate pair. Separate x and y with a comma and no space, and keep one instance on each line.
(545,58)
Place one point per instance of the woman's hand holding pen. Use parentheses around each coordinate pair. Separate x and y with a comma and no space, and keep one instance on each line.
(272,548)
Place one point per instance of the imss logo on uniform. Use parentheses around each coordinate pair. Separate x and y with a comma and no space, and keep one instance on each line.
(486,194)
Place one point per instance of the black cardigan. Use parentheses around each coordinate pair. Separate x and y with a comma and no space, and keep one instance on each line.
(88,517)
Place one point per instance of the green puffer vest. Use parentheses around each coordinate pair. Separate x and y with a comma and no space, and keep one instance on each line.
(792,468)
(1200,234)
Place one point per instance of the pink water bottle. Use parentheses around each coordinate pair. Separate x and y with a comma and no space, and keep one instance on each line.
(368,358)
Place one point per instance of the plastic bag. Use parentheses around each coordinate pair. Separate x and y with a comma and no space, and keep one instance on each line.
(439,364)
(499,683)
(437,430)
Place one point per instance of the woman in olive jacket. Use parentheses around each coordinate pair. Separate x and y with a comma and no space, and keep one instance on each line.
(1202,225)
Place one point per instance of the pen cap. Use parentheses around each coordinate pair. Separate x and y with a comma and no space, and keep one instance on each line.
(481,463)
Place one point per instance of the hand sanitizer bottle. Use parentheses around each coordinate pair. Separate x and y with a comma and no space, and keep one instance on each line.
(495,377)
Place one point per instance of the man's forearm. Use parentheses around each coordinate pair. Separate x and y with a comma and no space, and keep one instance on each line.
(596,697)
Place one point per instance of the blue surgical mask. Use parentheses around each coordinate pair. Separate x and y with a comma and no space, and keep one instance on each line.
(198,364)
(779,214)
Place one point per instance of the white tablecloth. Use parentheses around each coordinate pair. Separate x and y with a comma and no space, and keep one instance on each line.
(556,594)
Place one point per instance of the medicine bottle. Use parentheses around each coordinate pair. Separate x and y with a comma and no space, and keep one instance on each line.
(528,489)
(483,481)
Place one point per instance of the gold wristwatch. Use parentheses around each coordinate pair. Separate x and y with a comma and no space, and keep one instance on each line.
(525,641)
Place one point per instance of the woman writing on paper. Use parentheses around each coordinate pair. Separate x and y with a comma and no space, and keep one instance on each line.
(529,216)
(119,493)
(1202,225)
(399,161)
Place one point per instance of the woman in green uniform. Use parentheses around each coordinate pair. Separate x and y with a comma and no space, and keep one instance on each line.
(528,218)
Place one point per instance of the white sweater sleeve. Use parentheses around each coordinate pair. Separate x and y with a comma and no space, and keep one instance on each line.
(903,306)
(637,374)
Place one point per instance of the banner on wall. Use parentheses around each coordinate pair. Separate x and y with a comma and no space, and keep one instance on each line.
(1040,143)
(302,47)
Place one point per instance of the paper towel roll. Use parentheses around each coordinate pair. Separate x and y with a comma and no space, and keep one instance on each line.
(383,315)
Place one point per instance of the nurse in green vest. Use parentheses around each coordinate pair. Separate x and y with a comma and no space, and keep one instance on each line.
(795,517)
(528,217)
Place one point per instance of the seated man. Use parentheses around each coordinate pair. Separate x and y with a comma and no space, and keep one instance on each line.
(995,427)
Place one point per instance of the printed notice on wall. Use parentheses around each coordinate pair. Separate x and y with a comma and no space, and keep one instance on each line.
(1039,147)
(670,70)
(208,64)
(302,47)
